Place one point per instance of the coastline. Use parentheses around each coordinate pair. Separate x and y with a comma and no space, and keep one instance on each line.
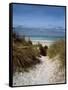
(43,42)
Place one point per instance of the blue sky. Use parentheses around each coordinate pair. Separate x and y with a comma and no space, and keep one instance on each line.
(38,16)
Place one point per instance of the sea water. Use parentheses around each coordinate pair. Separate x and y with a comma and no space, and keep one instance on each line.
(51,38)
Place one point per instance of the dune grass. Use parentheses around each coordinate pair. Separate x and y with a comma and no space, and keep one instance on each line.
(25,55)
(58,49)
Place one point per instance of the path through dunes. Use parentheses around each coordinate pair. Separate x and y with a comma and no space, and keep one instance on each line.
(47,72)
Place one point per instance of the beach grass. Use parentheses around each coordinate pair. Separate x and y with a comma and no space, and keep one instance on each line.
(25,55)
(58,49)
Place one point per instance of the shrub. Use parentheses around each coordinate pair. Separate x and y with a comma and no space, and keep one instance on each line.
(30,42)
(43,50)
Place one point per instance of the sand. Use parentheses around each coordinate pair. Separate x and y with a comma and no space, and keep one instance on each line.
(47,72)
(43,42)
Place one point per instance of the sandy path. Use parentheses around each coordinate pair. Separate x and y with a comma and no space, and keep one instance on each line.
(47,72)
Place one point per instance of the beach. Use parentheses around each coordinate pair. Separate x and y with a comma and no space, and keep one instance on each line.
(47,72)
(43,42)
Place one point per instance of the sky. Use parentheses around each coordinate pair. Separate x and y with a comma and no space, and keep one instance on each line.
(38,16)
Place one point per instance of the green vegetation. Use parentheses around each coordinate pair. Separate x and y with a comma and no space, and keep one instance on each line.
(43,50)
(25,55)
(58,49)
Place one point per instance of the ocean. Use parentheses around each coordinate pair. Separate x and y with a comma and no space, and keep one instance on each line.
(51,38)
(43,34)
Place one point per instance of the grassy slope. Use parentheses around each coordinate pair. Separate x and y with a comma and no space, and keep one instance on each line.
(58,49)
(24,54)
